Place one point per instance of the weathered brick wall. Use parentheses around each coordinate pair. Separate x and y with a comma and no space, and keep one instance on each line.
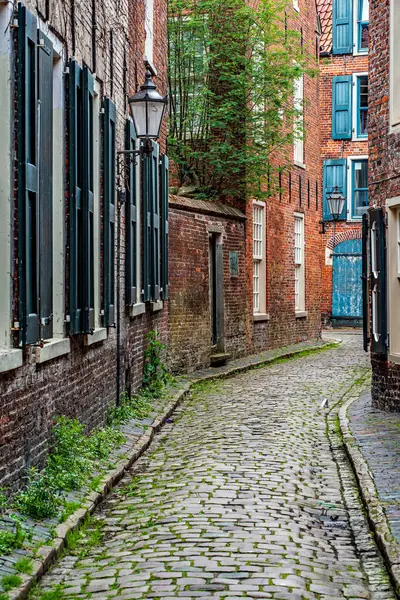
(332,66)
(189,306)
(83,383)
(299,194)
(384,168)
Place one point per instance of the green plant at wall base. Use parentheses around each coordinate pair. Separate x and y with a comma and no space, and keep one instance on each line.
(41,498)
(8,582)
(24,565)
(155,375)
(233,66)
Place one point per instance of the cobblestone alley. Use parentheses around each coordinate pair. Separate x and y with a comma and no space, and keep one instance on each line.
(245,494)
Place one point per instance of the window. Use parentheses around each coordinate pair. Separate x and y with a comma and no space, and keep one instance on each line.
(361,115)
(299,270)
(394,63)
(359,192)
(393,276)
(296,5)
(259,273)
(298,98)
(362,25)
(149,28)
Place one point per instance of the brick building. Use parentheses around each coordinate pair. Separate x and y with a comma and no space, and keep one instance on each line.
(382,325)
(66,71)
(344,152)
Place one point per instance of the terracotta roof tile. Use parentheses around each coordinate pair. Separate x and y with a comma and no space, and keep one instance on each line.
(325,13)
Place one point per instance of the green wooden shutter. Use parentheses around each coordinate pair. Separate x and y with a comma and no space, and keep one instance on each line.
(109,211)
(76,161)
(342,23)
(45,166)
(364,278)
(335,176)
(342,87)
(378,281)
(88,204)
(155,224)
(164,228)
(147,226)
(131,218)
(28,204)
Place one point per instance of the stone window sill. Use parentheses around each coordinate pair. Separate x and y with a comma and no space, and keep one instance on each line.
(137,309)
(260,317)
(10,359)
(52,348)
(156,306)
(98,335)
(299,164)
(301,314)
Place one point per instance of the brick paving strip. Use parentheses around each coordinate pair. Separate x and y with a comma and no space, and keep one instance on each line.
(372,441)
(54,535)
(247,493)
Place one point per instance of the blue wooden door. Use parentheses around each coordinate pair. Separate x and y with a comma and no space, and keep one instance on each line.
(347,285)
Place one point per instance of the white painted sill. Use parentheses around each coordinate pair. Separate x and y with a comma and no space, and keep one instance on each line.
(299,164)
(52,348)
(98,335)
(10,359)
(156,306)
(260,317)
(301,314)
(137,309)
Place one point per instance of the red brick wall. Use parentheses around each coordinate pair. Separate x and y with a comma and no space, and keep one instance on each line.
(331,66)
(189,345)
(384,168)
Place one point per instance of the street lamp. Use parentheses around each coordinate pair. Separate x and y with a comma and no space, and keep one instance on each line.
(147,109)
(336,202)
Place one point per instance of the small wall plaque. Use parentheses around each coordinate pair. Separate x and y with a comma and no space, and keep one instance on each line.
(234,264)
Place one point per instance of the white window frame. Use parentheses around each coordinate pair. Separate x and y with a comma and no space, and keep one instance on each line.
(298,102)
(259,261)
(354,107)
(299,265)
(139,307)
(393,277)
(356,51)
(350,160)
(394,76)
(149,28)
(296,5)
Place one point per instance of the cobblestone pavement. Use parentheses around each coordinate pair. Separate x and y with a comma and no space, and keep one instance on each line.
(246,494)
(378,436)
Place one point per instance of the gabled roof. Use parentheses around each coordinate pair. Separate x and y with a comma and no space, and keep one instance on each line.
(324,8)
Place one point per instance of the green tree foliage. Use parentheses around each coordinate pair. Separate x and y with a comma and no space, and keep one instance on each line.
(232,71)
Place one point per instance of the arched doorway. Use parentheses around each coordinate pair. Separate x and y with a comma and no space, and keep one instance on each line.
(346,284)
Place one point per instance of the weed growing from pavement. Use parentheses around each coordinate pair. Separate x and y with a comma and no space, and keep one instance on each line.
(24,565)
(8,582)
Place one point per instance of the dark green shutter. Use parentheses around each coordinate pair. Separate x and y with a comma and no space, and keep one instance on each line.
(378,281)
(147,228)
(335,176)
(342,87)
(342,24)
(28,239)
(45,166)
(75,198)
(164,228)
(88,204)
(364,277)
(155,225)
(109,211)
(131,217)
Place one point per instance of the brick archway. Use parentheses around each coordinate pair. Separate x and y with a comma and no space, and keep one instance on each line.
(343,236)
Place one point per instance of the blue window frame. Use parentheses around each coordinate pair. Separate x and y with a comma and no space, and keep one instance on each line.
(359,196)
(363,26)
(362,106)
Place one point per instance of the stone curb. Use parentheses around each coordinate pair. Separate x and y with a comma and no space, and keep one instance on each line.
(384,538)
(48,554)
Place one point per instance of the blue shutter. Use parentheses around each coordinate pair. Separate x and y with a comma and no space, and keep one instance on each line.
(342,107)
(335,176)
(342,22)
(28,204)
(109,211)
(131,218)
(164,225)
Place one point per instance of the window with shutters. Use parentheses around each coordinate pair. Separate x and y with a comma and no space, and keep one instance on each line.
(298,100)
(299,266)
(393,270)
(360,106)
(361,25)
(394,78)
(259,259)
